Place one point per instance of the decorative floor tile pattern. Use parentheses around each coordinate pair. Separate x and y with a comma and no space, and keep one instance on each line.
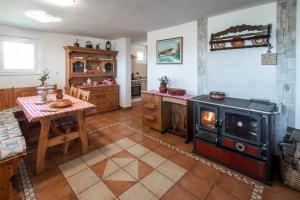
(121,170)
(127,170)
(26,182)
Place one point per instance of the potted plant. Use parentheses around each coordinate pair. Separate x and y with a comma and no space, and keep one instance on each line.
(164,84)
(44,77)
(44,89)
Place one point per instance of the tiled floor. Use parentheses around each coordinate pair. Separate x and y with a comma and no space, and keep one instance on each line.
(124,164)
(125,171)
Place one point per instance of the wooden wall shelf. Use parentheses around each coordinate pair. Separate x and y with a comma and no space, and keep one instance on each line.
(243,36)
(90,50)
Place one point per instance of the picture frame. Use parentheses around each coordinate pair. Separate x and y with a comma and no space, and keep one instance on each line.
(169,51)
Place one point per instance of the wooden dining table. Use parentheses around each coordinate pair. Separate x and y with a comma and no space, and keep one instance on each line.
(35,111)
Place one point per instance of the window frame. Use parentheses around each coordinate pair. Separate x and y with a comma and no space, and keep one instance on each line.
(33,41)
(144,61)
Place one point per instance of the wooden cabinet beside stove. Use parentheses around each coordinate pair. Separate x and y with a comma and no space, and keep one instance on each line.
(153,115)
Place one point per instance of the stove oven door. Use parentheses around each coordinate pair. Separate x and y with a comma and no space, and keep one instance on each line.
(241,126)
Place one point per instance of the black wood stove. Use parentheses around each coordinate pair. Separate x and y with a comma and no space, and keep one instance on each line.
(237,133)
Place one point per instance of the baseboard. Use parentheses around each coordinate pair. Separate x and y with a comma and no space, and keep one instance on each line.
(124,108)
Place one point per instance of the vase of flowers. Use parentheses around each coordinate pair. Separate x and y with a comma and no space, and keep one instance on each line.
(44,77)
(164,84)
(44,89)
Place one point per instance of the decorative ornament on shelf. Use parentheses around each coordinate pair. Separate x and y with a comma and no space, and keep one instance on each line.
(164,84)
(269,58)
(88,44)
(76,44)
(108,45)
(98,45)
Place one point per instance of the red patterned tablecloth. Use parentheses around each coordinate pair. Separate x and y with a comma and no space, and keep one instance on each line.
(33,111)
(184,97)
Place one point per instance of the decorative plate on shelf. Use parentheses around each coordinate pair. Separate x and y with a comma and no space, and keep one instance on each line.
(219,45)
(259,41)
(237,42)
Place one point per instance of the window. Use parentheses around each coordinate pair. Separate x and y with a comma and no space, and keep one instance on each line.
(140,56)
(18,55)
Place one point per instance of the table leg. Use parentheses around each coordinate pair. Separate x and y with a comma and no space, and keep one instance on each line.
(82,131)
(42,146)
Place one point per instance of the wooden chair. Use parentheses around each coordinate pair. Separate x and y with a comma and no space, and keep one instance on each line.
(68,123)
(83,95)
(74,91)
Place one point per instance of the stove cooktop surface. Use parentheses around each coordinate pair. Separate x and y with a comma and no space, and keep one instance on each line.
(239,103)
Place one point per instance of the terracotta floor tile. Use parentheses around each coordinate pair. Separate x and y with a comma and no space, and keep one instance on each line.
(186,147)
(144,169)
(150,144)
(123,154)
(98,140)
(165,151)
(217,194)
(235,187)
(183,161)
(114,136)
(196,185)
(99,168)
(52,185)
(171,139)
(137,137)
(153,133)
(178,193)
(279,191)
(119,187)
(206,172)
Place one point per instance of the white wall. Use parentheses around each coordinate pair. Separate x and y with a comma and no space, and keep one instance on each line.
(239,72)
(123,45)
(298,68)
(181,75)
(51,55)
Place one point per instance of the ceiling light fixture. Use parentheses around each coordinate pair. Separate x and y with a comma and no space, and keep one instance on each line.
(41,16)
(63,3)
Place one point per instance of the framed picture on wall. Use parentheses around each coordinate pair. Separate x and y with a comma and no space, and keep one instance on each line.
(169,51)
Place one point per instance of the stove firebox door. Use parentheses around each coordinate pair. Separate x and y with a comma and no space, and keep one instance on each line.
(207,118)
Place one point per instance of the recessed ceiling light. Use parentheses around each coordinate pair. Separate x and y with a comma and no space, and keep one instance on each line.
(63,3)
(41,16)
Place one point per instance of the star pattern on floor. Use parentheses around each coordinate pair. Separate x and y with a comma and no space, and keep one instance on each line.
(123,170)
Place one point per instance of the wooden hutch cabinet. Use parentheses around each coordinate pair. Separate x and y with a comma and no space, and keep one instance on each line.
(97,65)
